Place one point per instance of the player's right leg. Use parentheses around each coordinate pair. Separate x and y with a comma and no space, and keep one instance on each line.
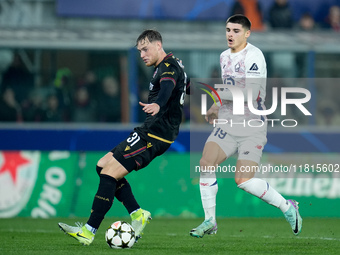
(208,227)
(212,156)
(293,217)
(141,153)
(102,201)
(262,189)
(79,232)
(139,150)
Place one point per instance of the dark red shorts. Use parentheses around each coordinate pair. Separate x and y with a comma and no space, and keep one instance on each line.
(138,150)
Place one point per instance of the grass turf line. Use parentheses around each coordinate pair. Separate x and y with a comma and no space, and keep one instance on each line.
(171,236)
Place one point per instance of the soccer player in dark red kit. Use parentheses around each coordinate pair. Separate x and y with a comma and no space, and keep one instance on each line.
(167,90)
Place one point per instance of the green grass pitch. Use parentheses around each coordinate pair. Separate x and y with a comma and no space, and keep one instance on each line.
(171,236)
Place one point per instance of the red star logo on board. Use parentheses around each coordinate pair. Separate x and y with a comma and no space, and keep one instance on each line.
(11,162)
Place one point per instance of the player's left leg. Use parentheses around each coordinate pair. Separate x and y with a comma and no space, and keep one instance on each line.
(139,217)
(216,149)
(111,173)
(245,180)
(212,156)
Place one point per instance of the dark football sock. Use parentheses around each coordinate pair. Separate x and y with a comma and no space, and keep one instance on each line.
(103,200)
(124,195)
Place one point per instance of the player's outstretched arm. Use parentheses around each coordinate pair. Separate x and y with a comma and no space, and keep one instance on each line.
(153,108)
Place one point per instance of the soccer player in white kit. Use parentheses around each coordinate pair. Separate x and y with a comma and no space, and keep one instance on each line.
(242,65)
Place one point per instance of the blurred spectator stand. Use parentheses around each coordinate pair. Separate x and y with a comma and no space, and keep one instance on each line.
(281,15)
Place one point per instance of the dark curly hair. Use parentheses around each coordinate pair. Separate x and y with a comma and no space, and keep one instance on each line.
(240,19)
(151,34)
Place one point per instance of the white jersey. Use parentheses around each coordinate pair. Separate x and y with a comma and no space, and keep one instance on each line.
(244,69)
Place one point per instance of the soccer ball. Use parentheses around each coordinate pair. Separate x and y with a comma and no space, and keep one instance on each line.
(120,235)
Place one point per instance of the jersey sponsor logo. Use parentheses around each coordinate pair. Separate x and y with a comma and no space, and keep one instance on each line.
(151,86)
(166,64)
(149,145)
(171,73)
(254,67)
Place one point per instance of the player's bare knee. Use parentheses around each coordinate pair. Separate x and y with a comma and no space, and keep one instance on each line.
(239,181)
(105,159)
(101,163)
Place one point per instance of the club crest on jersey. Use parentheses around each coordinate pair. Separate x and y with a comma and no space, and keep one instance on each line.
(151,86)
(237,67)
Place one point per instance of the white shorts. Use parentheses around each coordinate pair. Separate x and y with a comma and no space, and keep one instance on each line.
(248,147)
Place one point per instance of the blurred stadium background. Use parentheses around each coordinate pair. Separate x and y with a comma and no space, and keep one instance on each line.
(71,80)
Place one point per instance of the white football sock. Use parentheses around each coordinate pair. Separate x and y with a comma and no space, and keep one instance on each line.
(261,189)
(92,229)
(208,189)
